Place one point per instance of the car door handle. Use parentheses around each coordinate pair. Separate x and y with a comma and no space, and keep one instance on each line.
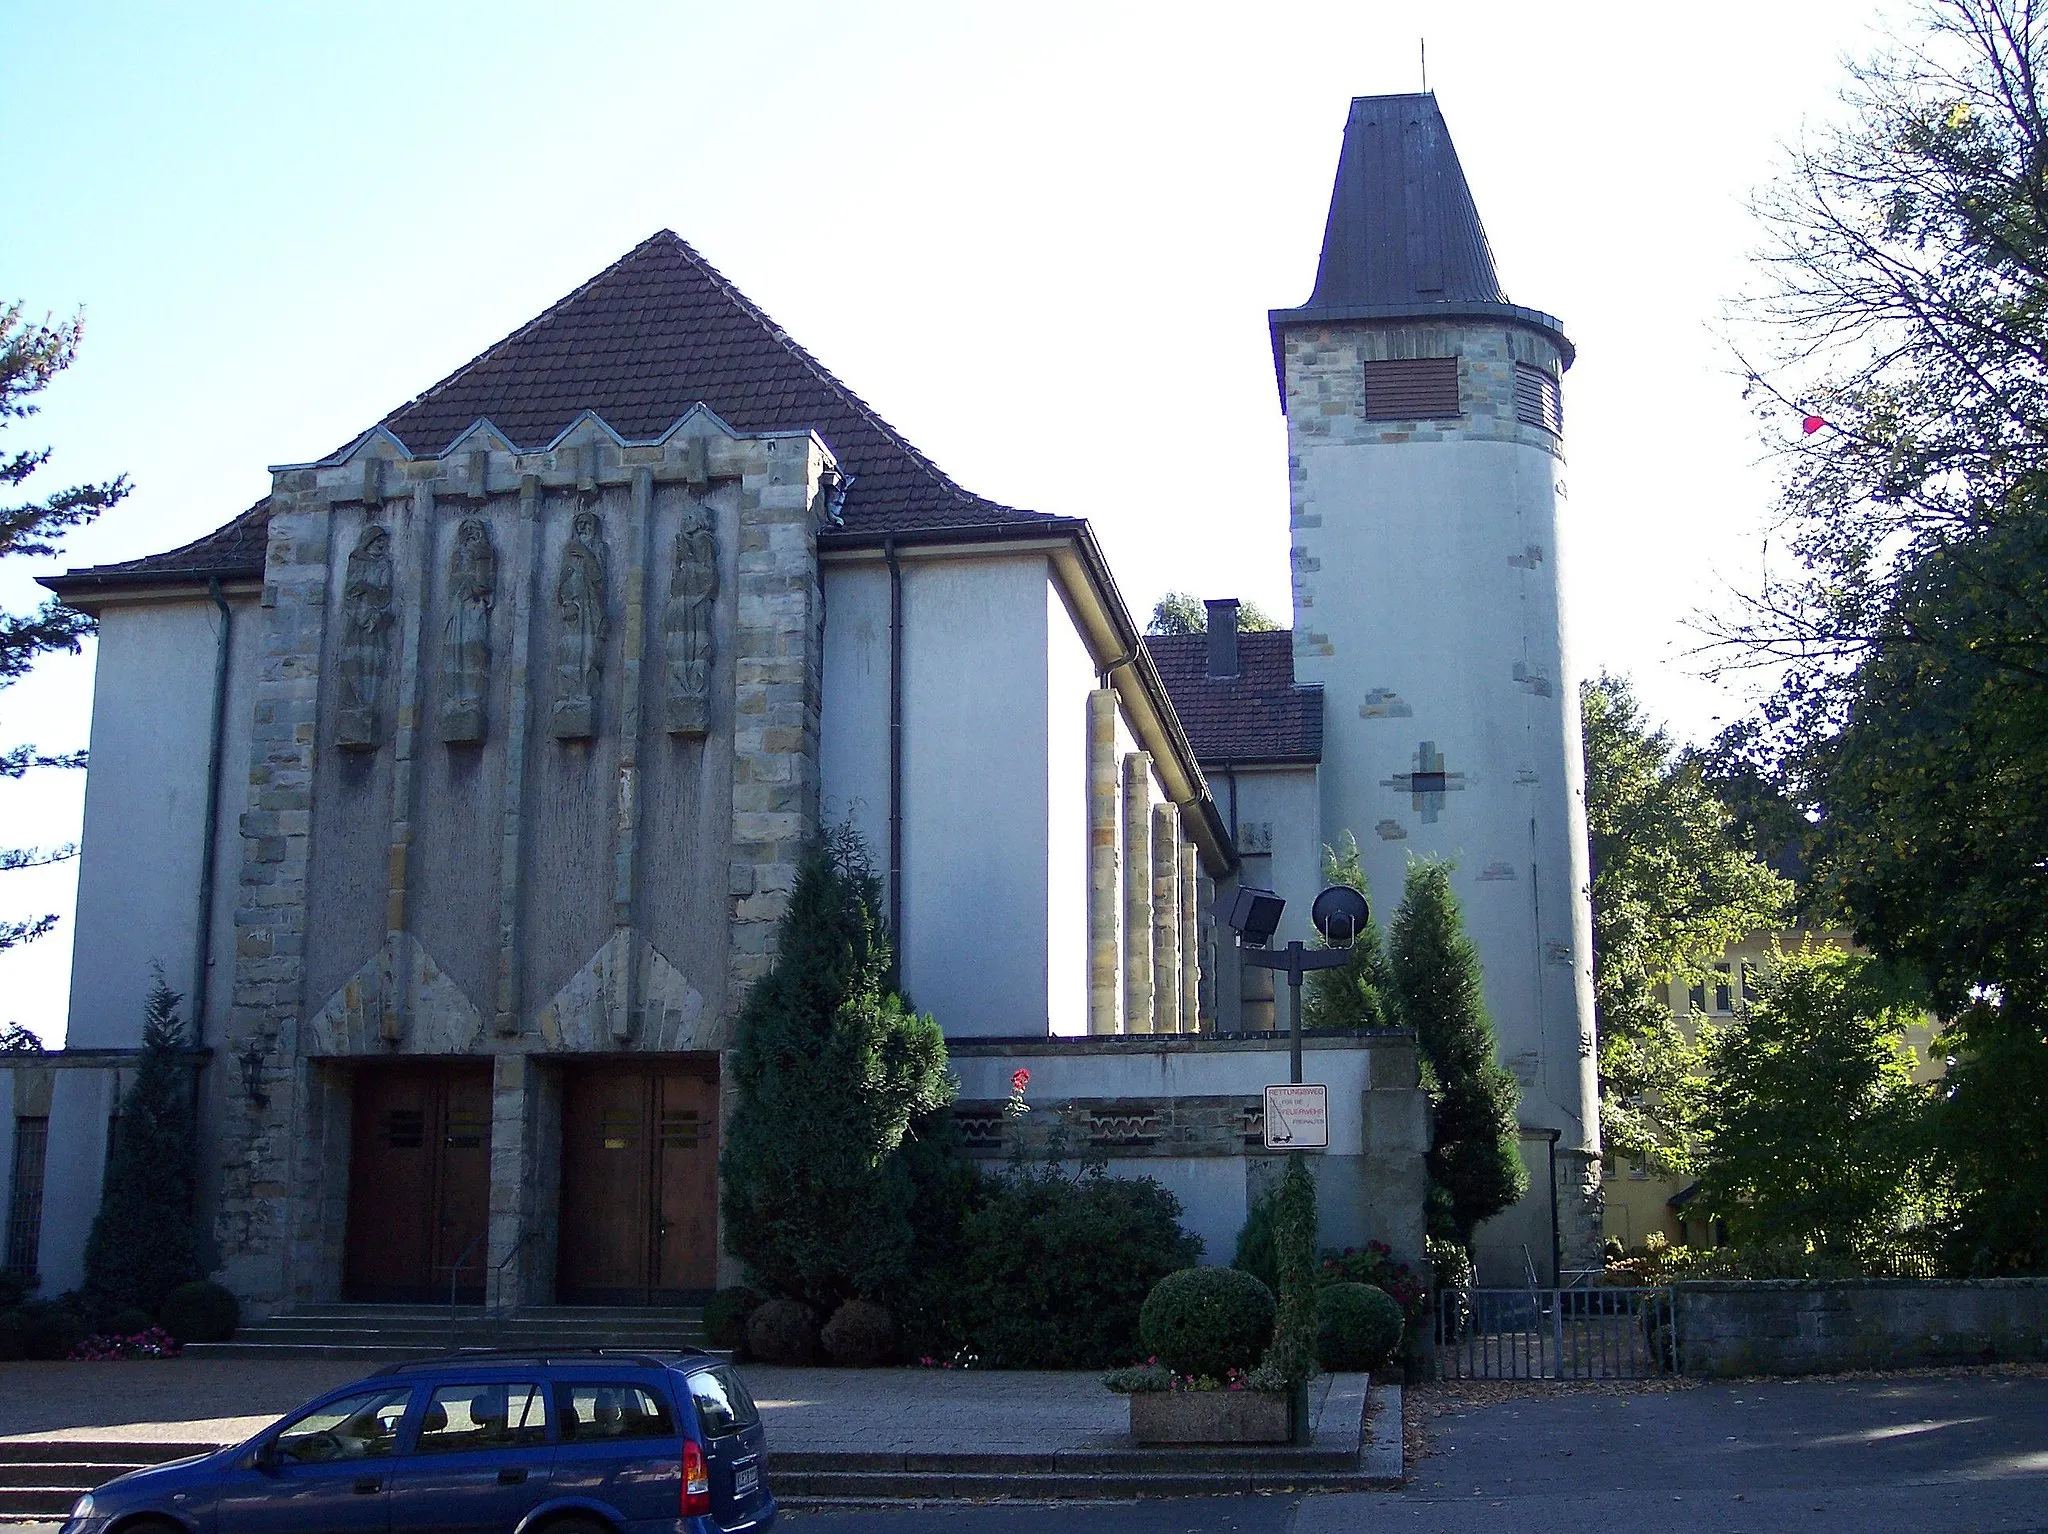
(511,1477)
(369,1486)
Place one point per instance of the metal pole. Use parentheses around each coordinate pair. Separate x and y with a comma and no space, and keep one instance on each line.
(1294,1013)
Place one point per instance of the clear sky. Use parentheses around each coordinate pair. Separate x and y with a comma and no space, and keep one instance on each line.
(1040,239)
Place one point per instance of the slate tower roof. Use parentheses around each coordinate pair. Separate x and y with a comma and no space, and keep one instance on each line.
(1404,240)
(639,344)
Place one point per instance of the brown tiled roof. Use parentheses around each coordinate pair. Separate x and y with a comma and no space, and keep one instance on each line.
(233,552)
(653,334)
(1259,715)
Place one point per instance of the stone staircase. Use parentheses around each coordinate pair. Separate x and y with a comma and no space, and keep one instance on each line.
(383,1333)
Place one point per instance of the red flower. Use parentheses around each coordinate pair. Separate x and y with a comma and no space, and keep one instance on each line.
(1019,1079)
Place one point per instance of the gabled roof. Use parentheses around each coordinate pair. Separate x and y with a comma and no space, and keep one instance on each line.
(1404,239)
(639,344)
(1260,715)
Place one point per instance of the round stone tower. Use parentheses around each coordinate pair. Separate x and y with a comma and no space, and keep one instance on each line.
(1426,464)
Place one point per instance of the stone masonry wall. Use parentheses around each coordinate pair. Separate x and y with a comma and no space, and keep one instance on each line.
(1798,1327)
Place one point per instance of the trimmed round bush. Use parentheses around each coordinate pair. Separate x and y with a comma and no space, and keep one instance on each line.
(47,1330)
(1358,1327)
(201,1311)
(128,1321)
(1207,1321)
(725,1317)
(783,1332)
(860,1335)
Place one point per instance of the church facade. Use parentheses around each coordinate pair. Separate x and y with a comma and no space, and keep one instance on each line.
(461,783)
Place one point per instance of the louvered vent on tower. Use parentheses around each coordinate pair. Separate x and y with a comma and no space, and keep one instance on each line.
(1536,399)
(1412,389)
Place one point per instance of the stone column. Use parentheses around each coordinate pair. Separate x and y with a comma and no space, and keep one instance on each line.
(1165,918)
(1206,960)
(1137,892)
(1190,941)
(1102,869)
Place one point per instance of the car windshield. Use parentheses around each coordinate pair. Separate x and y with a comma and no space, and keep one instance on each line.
(723,1405)
(359,1426)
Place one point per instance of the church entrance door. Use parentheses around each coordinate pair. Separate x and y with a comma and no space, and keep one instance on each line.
(419,1186)
(639,1222)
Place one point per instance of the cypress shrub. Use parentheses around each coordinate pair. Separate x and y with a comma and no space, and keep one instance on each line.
(830,1071)
(1292,1357)
(725,1317)
(145,1239)
(1475,1164)
(1255,1254)
(1361,994)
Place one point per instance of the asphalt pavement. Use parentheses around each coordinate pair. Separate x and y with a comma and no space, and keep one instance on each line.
(1951,1454)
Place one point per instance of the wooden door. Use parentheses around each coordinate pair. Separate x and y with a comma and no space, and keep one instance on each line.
(639,1215)
(419,1182)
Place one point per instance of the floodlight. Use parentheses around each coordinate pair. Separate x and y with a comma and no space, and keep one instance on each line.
(1255,916)
(1340,914)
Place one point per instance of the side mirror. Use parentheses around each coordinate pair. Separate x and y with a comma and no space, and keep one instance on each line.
(265,1456)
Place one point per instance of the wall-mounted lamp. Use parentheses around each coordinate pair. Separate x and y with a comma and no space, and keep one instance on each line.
(251,1061)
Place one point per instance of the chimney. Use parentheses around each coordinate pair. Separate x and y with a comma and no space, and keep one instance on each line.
(1222,636)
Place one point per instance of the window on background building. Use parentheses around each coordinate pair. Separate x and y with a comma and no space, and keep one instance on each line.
(1748,982)
(1698,997)
(25,1196)
(1638,1172)
(1412,389)
(1724,998)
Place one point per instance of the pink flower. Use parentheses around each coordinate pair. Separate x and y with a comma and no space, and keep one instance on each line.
(1019,1079)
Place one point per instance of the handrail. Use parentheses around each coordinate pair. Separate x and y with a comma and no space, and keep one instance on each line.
(455,1271)
(496,1282)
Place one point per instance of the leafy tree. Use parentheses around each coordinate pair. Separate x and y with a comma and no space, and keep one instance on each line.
(831,1070)
(31,355)
(1815,1132)
(1475,1164)
(145,1238)
(1361,994)
(1182,612)
(1904,318)
(1671,890)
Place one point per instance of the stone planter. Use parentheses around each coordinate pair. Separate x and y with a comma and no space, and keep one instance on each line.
(1210,1416)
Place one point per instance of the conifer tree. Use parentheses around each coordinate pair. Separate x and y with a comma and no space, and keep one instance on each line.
(145,1238)
(831,1070)
(1361,994)
(1475,1164)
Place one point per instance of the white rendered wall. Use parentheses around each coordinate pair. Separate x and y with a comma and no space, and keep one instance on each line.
(1277,807)
(981,782)
(1427,606)
(145,807)
(81,1102)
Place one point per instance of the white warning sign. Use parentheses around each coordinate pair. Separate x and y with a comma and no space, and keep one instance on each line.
(1298,1118)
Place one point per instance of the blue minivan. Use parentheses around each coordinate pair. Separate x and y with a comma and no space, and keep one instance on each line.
(597,1442)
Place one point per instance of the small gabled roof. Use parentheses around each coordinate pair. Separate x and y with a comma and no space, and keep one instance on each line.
(1404,240)
(654,334)
(1261,715)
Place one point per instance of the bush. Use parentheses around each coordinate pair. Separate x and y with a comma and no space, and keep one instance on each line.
(127,1322)
(47,1329)
(1050,1271)
(1255,1254)
(725,1317)
(14,1288)
(201,1311)
(1207,1321)
(1358,1327)
(860,1335)
(783,1332)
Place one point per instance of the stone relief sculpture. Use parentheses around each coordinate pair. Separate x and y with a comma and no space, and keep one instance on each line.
(364,654)
(580,593)
(466,654)
(686,626)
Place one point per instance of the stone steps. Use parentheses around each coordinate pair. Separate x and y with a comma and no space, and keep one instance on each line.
(40,1481)
(381,1333)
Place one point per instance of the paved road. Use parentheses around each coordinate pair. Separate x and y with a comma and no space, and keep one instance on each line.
(1948,1455)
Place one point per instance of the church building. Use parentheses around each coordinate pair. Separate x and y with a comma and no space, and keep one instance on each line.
(459,785)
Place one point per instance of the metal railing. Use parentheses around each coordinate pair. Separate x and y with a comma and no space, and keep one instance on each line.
(1555,1334)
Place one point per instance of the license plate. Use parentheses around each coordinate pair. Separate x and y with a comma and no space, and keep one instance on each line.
(745,1480)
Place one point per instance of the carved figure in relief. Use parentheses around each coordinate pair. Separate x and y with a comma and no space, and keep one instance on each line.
(686,626)
(580,593)
(466,658)
(363,660)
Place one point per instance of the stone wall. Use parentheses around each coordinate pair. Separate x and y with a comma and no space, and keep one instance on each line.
(1800,1327)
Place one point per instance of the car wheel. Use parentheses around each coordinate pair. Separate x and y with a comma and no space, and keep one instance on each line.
(577,1525)
(151,1526)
